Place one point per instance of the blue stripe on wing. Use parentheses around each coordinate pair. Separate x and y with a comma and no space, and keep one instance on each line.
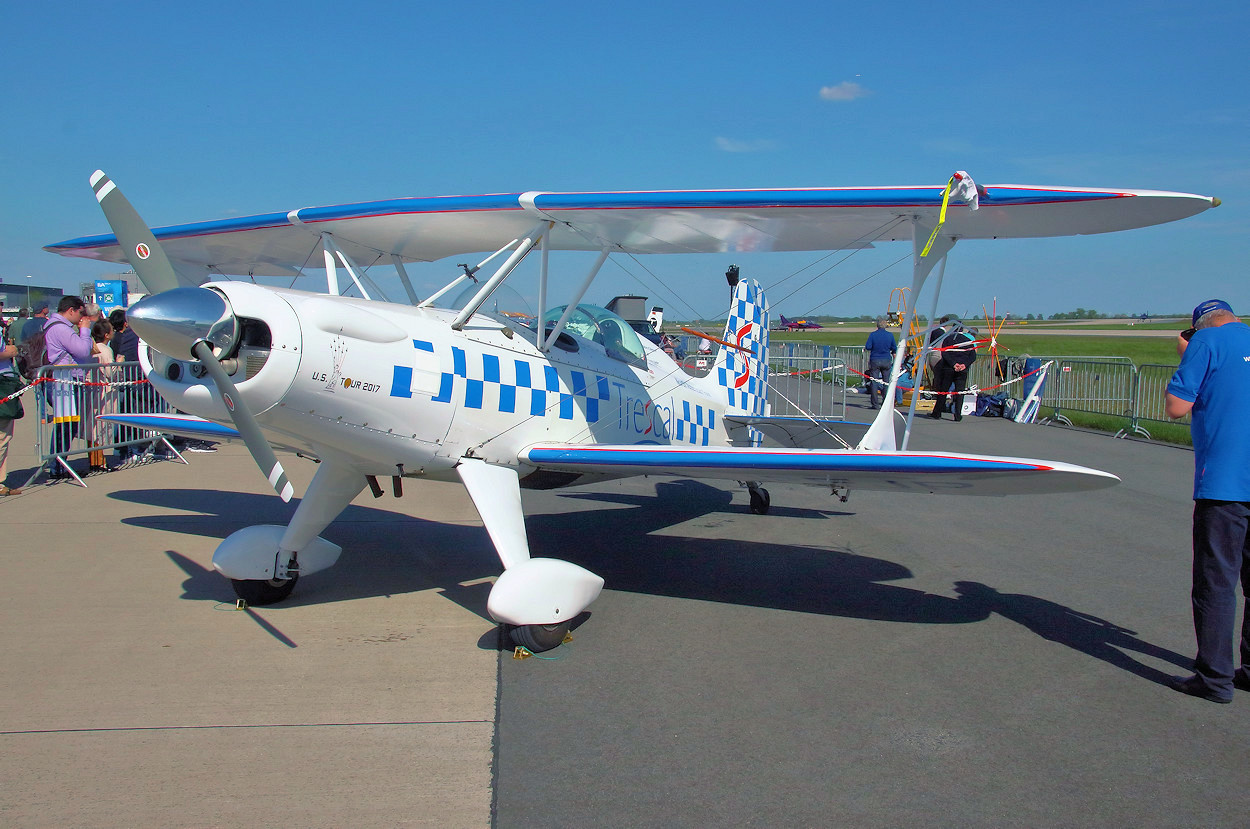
(849,197)
(185,425)
(658,457)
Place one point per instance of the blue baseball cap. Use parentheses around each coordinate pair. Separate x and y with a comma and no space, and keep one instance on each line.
(1209,306)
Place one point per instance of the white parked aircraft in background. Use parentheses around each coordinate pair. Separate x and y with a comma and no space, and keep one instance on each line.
(456,390)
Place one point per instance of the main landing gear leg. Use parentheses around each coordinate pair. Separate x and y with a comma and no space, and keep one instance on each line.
(537,597)
(264,562)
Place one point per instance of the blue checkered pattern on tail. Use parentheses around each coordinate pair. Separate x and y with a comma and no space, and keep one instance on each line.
(744,375)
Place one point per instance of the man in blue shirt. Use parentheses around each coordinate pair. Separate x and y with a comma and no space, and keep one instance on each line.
(880,348)
(1213,383)
(32,326)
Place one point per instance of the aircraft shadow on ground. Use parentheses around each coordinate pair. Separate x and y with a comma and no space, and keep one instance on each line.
(388,553)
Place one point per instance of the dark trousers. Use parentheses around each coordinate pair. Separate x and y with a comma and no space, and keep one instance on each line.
(63,433)
(878,371)
(1221,558)
(945,376)
(127,398)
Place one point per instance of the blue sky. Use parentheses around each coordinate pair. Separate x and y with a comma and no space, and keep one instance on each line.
(228,109)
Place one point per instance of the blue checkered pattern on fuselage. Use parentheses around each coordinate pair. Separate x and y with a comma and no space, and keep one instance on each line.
(518,386)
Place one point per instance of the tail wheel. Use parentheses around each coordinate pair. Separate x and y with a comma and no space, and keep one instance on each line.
(263,591)
(539,638)
(760,501)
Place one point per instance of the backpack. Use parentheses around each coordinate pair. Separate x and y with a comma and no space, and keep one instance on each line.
(32,354)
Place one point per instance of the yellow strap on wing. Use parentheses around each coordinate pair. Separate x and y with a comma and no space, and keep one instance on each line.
(946,198)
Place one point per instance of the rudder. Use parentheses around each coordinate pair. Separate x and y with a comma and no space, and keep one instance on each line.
(743,372)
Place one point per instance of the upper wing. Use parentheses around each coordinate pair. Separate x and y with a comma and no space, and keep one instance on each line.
(687,221)
(934,472)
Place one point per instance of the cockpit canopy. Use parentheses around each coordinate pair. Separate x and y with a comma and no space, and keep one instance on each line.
(591,322)
(587,322)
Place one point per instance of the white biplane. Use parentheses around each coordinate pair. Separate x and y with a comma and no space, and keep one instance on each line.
(375,389)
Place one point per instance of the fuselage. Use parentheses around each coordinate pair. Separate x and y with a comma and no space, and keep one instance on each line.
(384,386)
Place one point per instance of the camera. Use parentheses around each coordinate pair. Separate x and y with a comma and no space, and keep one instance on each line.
(1187,333)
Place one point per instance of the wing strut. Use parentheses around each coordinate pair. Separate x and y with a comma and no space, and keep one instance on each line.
(468,274)
(403,277)
(573,300)
(929,248)
(332,281)
(527,244)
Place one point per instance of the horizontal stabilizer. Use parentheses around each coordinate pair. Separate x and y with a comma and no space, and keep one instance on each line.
(794,431)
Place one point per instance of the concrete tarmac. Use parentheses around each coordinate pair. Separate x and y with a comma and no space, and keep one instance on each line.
(134,694)
(886,661)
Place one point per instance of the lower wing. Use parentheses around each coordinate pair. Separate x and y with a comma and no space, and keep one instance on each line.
(183,425)
(933,472)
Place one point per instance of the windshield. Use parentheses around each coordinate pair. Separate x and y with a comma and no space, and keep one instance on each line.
(504,304)
(604,327)
(589,322)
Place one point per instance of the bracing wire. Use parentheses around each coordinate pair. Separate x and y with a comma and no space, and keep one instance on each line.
(874,234)
(659,287)
(862,281)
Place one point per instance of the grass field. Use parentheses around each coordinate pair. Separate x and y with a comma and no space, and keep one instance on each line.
(1015,343)
(1141,350)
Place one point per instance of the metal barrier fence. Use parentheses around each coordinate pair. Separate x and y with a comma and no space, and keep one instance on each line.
(1150,398)
(1111,386)
(1095,385)
(69,399)
(792,353)
(813,385)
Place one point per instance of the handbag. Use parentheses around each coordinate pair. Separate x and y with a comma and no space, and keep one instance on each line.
(11,409)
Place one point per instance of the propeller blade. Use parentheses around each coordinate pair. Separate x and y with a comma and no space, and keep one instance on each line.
(245,422)
(137,242)
(175,317)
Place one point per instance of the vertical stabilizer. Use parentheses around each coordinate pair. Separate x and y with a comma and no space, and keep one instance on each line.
(741,368)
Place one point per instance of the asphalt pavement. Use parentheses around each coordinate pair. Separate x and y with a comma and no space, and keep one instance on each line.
(887,661)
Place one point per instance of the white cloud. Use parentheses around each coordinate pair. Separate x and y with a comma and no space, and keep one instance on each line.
(845,91)
(738,145)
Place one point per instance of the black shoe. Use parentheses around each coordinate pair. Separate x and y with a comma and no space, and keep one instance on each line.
(1196,687)
(1241,679)
(958,418)
(935,415)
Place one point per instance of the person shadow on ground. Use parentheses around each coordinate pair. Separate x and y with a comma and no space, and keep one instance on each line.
(1082,632)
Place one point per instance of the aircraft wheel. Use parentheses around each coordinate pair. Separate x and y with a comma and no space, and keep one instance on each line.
(760,501)
(263,591)
(539,638)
